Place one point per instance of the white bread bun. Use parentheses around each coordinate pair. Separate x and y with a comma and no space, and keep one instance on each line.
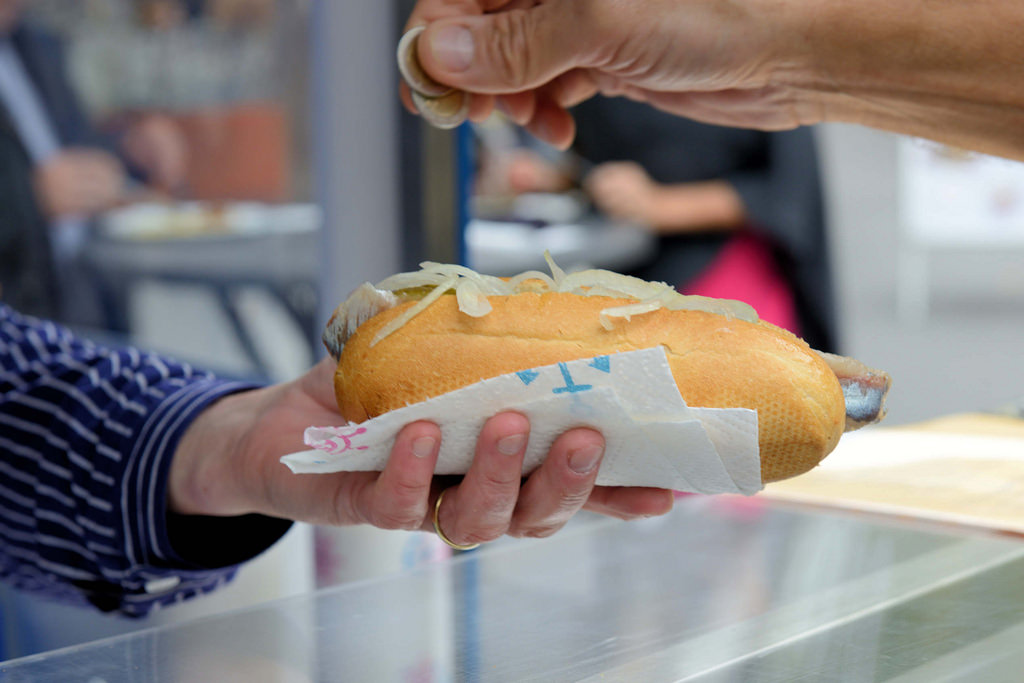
(717,362)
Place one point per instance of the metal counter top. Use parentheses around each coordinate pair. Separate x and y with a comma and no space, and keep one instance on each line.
(722,589)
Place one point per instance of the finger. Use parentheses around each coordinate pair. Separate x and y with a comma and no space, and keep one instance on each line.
(560,487)
(519,4)
(480,508)
(518,107)
(427,11)
(552,124)
(504,52)
(572,88)
(480,107)
(400,497)
(597,179)
(405,94)
(630,502)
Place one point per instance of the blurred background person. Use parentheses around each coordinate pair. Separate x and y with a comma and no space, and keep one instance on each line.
(738,214)
(58,170)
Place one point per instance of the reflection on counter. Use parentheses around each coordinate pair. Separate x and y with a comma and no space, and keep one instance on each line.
(722,589)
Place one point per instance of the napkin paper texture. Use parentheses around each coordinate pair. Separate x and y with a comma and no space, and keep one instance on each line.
(652,437)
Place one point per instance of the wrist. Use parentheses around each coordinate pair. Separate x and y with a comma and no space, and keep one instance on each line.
(202,479)
(796,60)
(904,68)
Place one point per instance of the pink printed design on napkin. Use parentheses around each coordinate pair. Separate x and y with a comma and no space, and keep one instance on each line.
(334,440)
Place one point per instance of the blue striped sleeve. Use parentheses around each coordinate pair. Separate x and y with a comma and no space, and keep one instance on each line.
(86,438)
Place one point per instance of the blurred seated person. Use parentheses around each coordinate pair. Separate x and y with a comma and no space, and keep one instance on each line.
(57,170)
(738,213)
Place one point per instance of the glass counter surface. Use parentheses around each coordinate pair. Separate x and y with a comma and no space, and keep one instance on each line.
(721,589)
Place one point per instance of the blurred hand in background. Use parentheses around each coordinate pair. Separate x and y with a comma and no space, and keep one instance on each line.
(79,181)
(158,147)
(624,190)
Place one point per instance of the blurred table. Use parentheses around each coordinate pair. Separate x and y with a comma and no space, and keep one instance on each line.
(722,589)
(508,248)
(509,236)
(221,247)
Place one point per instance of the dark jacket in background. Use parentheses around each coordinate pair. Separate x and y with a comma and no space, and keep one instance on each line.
(27,278)
(776,174)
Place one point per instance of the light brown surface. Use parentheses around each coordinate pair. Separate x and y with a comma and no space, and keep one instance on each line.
(717,363)
(966,470)
(984,424)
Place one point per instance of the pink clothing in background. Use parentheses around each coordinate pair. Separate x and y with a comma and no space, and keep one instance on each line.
(745,270)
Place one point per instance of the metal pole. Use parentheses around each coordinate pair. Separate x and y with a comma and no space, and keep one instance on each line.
(355,150)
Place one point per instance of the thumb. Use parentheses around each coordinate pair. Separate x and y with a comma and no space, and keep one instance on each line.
(504,52)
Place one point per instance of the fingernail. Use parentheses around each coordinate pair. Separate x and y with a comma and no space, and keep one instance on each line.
(519,117)
(539,128)
(510,445)
(584,460)
(452,47)
(423,446)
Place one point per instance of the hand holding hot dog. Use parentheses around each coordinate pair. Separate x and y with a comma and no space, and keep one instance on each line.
(228,463)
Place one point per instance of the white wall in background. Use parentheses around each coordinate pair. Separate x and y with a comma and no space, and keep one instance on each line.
(966,353)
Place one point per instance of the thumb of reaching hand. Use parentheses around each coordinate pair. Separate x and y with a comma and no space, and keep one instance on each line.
(452,47)
(503,52)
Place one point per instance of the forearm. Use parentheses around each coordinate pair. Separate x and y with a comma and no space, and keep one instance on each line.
(714,205)
(949,70)
(88,435)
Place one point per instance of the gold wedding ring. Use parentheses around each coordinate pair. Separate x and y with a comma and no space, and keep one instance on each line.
(438,104)
(440,534)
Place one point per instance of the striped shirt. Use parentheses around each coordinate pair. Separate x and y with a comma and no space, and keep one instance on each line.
(86,439)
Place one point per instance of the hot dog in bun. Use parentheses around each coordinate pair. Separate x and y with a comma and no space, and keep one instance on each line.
(418,335)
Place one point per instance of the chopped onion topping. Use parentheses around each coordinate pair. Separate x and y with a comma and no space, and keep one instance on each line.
(557,274)
(623,286)
(626,312)
(411,280)
(516,281)
(472,289)
(414,310)
(471,300)
(488,284)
